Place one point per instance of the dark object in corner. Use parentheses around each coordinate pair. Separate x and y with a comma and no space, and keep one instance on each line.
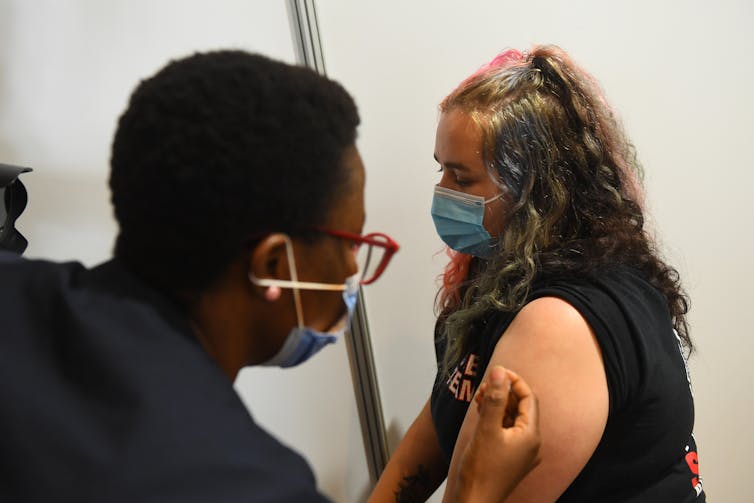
(13,197)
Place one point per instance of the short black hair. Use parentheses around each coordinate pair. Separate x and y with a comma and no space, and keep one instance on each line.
(219,147)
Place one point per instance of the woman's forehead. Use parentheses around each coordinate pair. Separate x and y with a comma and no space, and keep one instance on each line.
(458,139)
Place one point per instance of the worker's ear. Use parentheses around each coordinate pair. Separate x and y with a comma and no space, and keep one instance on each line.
(269,260)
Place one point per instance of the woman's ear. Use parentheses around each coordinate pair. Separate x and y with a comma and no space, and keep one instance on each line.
(269,260)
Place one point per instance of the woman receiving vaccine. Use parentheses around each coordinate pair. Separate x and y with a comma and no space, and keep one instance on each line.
(554,275)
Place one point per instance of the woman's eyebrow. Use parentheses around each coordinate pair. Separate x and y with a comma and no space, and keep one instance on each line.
(456,166)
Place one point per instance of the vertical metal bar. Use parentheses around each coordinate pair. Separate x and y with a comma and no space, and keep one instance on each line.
(297,32)
(308,46)
(366,389)
(302,15)
(318,41)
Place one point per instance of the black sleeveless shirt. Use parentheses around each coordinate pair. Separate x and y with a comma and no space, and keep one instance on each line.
(647,452)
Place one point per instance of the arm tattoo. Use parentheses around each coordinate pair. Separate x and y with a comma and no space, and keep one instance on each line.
(413,488)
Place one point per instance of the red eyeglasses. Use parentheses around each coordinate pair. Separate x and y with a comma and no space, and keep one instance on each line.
(373,252)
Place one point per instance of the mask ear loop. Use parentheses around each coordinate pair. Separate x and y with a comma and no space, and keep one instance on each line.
(493,198)
(294,283)
(294,279)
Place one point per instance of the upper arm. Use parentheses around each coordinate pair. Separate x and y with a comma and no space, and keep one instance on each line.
(553,348)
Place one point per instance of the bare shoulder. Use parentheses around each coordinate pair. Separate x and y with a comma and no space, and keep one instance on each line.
(551,345)
(549,322)
(548,310)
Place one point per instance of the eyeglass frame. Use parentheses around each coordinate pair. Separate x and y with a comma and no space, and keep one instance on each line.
(389,245)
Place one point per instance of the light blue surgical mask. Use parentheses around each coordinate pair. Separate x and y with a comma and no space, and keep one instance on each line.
(458,220)
(302,341)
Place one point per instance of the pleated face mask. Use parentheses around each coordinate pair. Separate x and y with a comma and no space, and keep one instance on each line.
(303,342)
(458,219)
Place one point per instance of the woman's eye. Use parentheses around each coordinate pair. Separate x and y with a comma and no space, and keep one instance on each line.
(459,182)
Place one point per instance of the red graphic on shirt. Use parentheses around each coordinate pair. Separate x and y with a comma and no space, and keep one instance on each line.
(460,383)
(692,459)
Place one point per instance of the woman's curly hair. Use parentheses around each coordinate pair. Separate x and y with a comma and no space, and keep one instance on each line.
(572,181)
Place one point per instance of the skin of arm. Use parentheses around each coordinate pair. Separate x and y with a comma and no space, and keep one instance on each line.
(552,347)
(505,444)
(417,467)
(484,474)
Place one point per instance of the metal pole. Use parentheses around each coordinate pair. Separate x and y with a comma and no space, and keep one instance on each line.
(305,31)
(308,46)
(366,389)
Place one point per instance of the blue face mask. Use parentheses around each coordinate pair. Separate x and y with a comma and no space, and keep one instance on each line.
(458,219)
(304,342)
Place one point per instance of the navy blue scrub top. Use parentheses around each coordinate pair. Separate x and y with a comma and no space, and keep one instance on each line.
(107,396)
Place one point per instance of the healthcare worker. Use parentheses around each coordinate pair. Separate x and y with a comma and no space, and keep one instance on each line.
(238,192)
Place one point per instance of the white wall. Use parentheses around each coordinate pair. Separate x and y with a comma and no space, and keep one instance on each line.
(67,70)
(681,75)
